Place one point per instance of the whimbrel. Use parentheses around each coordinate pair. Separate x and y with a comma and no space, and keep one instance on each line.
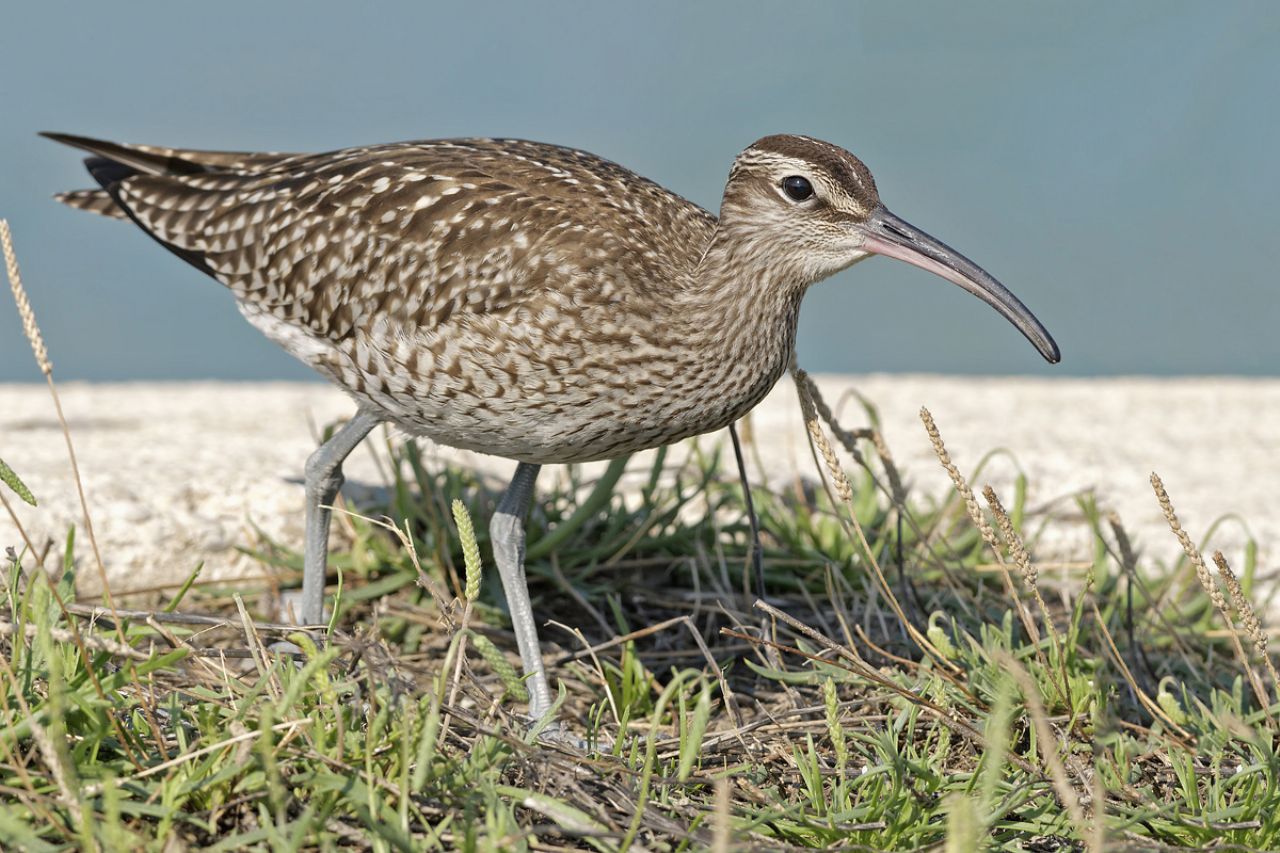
(519,299)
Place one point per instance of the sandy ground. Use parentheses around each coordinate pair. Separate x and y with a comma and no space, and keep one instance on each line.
(178,473)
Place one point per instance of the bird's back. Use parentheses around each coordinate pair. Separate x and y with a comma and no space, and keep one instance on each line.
(408,231)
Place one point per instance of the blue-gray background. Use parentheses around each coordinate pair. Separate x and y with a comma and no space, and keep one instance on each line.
(1115,164)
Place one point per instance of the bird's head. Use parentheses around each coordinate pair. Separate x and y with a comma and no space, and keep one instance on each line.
(810,209)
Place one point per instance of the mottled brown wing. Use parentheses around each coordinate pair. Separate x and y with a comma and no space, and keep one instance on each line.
(412,233)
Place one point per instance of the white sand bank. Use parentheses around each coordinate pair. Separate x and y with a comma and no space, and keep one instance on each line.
(178,473)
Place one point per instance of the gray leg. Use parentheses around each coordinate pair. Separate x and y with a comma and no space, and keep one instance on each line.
(324,479)
(506,531)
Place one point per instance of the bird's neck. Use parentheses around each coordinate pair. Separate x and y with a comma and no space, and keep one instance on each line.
(741,307)
(744,287)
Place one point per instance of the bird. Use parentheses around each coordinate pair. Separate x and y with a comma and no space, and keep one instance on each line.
(517,298)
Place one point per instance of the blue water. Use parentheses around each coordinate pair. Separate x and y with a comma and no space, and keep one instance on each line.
(1114,164)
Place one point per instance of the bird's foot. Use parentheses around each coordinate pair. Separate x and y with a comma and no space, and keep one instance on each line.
(555,733)
(289,608)
(284,647)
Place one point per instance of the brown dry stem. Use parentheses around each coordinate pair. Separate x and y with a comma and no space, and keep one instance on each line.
(1248,617)
(1018,550)
(1211,589)
(979,520)
(41,353)
(1052,747)
(844,491)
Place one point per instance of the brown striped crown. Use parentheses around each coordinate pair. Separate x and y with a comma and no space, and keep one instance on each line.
(840,180)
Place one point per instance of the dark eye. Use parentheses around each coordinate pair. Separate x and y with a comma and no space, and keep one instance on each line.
(797,188)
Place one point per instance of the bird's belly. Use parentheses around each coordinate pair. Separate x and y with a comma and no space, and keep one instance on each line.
(551,430)
(519,393)
(547,400)
(535,432)
(576,418)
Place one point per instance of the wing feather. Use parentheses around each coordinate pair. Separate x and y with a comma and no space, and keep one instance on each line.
(405,235)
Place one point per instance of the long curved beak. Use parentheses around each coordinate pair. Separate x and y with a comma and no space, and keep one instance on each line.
(886,234)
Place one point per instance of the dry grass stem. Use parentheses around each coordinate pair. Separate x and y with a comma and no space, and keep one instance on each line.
(848,439)
(894,488)
(22,531)
(54,758)
(1128,558)
(258,654)
(722,828)
(1206,581)
(1152,706)
(1030,576)
(1051,744)
(58,767)
(28,316)
(961,485)
(890,468)
(99,644)
(1012,540)
(288,727)
(32,331)
(1188,547)
(1248,617)
(979,520)
(844,490)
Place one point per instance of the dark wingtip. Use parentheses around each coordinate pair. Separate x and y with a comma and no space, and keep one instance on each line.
(105,170)
(108,173)
(65,138)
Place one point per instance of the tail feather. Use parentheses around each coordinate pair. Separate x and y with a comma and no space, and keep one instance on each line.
(114,161)
(93,201)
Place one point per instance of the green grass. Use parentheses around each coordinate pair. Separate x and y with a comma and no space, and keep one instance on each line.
(912,713)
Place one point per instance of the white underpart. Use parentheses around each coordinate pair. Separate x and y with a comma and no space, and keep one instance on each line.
(310,349)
